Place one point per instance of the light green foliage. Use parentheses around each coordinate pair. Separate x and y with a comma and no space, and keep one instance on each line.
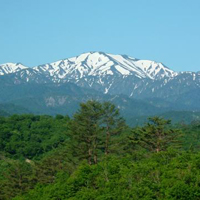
(47,158)
(165,175)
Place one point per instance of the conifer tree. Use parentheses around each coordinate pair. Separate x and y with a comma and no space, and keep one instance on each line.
(92,129)
(85,131)
(113,124)
(156,135)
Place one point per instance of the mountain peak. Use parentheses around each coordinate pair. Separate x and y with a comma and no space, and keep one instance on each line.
(96,63)
(9,68)
(105,72)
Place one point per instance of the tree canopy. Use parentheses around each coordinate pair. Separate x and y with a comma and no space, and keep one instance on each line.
(95,155)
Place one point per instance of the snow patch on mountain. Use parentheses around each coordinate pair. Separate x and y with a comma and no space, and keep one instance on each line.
(107,73)
(96,64)
(9,68)
(102,64)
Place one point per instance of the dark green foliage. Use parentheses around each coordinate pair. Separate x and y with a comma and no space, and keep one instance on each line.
(165,175)
(112,125)
(191,138)
(17,178)
(29,136)
(96,156)
(156,135)
(86,131)
(92,129)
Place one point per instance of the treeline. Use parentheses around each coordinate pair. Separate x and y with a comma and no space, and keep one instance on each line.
(95,155)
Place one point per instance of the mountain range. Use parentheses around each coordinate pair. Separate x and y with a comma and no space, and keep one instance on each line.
(138,87)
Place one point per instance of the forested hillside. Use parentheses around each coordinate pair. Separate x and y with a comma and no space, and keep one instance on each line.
(96,155)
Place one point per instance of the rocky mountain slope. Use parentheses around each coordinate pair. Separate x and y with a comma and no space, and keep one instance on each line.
(126,81)
(113,74)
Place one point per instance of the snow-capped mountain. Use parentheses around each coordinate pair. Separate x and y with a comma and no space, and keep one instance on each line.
(102,64)
(137,87)
(108,73)
(97,64)
(8,68)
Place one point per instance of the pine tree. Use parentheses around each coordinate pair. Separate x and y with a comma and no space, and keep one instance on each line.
(112,123)
(156,135)
(93,128)
(85,131)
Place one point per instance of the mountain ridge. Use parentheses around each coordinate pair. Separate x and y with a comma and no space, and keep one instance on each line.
(97,70)
(149,86)
(124,64)
(106,72)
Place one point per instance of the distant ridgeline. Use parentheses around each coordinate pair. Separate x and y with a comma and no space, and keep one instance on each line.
(140,88)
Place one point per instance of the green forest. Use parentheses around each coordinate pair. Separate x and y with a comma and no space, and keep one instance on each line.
(95,155)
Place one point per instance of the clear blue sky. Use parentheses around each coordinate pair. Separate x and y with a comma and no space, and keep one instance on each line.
(35,32)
